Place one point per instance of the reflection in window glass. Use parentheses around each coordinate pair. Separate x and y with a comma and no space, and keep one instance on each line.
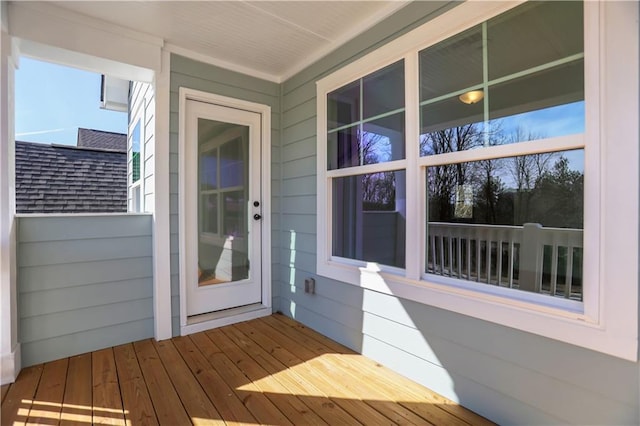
(379,141)
(232,161)
(135,153)
(514,222)
(452,64)
(209,213)
(209,170)
(369,215)
(383,91)
(533,34)
(532,82)
(343,106)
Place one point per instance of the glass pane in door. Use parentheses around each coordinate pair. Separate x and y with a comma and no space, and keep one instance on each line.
(223,185)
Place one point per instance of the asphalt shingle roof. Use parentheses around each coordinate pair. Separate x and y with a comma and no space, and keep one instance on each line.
(89,138)
(66,179)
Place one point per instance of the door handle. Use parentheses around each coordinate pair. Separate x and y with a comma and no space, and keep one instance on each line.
(257,216)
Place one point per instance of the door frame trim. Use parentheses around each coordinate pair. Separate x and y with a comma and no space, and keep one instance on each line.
(187,325)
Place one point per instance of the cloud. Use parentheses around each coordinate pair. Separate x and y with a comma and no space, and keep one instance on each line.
(39,132)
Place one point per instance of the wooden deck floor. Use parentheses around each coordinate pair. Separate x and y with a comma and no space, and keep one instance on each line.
(269,371)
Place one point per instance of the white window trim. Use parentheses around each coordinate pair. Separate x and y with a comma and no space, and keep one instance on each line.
(608,320)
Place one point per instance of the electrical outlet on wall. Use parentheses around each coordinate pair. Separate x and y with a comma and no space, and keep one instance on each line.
(310,285)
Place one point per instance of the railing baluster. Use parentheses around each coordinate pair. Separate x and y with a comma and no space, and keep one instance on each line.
(512,260)
(488,260)
(459,255)
(478,256)
(450,247)
(441,246)
(469,258)
(553,285)
(432,243)
(499,262)
(569,274)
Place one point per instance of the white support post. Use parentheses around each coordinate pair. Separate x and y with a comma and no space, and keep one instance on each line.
(161,236)
(531,258)
(9,346)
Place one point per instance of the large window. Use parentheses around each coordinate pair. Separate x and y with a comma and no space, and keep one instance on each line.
(464,172)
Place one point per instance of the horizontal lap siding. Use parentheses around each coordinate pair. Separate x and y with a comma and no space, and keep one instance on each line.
(84,283)
(507,375)
(208,78)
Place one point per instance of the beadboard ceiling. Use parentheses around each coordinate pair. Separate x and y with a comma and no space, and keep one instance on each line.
(271,39)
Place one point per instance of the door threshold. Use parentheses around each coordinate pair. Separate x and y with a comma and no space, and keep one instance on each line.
(198,323)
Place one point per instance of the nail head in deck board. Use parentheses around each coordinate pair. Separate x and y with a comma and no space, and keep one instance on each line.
(168,407)
(107,402)
(24,388)
(289,403)
(138,408)
(48,401)
(259,405)
(189,390)
(383,374)
(224,399)
(77,403)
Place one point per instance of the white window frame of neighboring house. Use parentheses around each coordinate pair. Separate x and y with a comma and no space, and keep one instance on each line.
(138,119)
(607,320)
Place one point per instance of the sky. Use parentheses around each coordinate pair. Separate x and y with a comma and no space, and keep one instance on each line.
(52,101)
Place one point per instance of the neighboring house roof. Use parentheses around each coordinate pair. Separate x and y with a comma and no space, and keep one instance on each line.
(67,179)
(90,138)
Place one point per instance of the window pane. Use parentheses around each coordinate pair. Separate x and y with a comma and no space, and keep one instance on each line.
(514,222)
(533,83)
(209,213)
(209,170)
(234,213)
(548,103)
(343,106)
(533,34)
(232,160)
(135,153)
(369,215)
(379,141)
(383,91)
(451,65)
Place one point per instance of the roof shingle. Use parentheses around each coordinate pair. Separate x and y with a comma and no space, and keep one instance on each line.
(66,179)
(90,138)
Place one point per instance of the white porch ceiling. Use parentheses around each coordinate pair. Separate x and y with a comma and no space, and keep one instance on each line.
(269,39)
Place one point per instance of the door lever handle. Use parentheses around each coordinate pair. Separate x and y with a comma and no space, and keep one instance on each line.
(257,216)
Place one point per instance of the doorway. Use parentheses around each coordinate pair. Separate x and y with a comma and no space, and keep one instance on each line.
(224,220)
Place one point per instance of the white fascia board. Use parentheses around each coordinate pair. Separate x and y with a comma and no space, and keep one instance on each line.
(52,26)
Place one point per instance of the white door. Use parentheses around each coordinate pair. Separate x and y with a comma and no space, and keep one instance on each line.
(223,207)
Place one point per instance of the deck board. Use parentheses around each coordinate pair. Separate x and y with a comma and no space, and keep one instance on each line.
(136,401)
(77,404)
(267,371)
(48,400)
(167,403)
(17,403)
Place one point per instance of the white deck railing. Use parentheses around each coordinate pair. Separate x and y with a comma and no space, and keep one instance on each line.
(528,257)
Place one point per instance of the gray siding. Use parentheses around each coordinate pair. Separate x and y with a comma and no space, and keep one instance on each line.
(208,78)
(84,283)
(507,375)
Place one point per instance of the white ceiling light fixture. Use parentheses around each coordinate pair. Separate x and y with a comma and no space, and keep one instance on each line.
(471,97)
